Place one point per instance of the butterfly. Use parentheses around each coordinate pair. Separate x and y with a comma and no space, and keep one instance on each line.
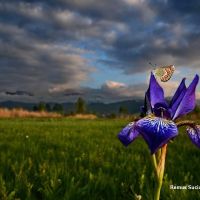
(164,72)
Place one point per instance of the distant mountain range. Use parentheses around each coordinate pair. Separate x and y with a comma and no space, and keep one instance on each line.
(133,106)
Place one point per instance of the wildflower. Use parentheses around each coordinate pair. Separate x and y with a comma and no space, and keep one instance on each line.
(158,126)
(194,134)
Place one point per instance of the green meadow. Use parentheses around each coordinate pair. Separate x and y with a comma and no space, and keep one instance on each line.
(72,159)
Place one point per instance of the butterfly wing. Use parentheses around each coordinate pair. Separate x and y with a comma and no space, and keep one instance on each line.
(165,73)
(159,71)
(168,72)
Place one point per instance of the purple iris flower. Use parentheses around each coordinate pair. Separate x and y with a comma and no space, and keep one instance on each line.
(158,126)
(194,134)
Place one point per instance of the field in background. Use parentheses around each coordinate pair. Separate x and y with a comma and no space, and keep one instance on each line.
(22,113)
(74,159)
(19,112)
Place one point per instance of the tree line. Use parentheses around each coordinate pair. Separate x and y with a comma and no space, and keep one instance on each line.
(80,108)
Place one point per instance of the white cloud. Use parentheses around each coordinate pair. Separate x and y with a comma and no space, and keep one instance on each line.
(134,2)
(67,17)
(169,87)
(114,84)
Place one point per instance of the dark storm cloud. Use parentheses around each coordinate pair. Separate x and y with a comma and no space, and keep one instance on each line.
(109,92)
(31,63)
(44,45)
(19,93)
(171,35)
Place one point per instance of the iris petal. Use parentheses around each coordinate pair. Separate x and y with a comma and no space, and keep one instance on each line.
(187,103)
(194,134)
(156,131)
(155,92)
(128,134)
(178,96)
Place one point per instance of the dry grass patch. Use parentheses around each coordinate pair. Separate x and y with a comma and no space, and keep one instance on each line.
(83,116)
(19,112)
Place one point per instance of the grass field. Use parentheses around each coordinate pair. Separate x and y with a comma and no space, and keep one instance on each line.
(76,159)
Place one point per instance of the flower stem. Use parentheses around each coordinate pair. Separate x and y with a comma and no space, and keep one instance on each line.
(154,161)
(157,191)
(159,170)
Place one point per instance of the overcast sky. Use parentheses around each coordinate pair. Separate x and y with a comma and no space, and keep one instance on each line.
(100,50)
